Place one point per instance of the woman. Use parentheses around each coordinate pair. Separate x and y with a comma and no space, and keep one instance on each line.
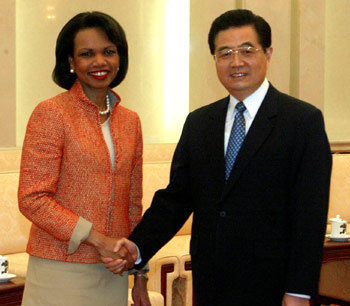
(81,172)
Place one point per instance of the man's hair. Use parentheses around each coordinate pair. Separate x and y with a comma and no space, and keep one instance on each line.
(65,45)
(239,18)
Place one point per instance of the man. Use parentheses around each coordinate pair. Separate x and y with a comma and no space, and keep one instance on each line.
(258,229)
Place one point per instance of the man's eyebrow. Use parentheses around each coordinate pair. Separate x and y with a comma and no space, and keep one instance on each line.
(244,44)
(247,44)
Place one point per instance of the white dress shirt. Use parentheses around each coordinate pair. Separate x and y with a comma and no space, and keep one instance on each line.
(252,104)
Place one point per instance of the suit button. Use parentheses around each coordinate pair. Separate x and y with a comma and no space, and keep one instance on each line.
(222,213)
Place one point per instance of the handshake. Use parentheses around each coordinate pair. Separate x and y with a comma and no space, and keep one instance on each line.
(117,255)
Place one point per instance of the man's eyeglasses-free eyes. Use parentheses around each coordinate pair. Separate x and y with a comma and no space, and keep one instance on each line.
(228,54)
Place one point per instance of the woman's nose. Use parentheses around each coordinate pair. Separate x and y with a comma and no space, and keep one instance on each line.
(99,59)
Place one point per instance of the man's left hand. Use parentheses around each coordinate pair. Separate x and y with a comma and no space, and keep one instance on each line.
(139,292)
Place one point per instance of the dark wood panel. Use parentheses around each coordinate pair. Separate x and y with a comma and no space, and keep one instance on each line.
(11,293)
(163,279)
(335,250)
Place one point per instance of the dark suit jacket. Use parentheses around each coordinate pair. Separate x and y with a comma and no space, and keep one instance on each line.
(260,234)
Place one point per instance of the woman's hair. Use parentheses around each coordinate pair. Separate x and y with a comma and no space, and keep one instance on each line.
(65,45)
(236,19)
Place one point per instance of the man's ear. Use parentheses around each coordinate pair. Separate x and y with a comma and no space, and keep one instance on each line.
(268,53)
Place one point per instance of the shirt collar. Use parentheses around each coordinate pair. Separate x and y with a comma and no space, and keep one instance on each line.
(253,102)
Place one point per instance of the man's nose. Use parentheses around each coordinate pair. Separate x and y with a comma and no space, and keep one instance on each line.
(236,59)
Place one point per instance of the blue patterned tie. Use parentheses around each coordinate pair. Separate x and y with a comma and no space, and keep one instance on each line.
(236,139)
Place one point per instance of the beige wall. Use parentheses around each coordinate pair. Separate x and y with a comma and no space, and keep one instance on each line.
(204,84)
(311,76)
(171,69)
(337,70)
(7,74)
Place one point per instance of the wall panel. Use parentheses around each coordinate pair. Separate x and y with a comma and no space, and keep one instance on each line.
(7,74)
(337,70)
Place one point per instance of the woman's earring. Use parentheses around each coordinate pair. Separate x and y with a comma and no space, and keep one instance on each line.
(71,70)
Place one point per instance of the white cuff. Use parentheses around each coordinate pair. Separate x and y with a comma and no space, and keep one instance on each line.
(139,259)
(303,296)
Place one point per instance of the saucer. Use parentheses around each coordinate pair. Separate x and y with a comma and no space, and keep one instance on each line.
(8,277)
(339,239)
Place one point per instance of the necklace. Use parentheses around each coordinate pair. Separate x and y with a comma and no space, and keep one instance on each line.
(108,105)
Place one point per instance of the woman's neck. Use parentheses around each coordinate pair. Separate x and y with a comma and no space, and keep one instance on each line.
(97,96)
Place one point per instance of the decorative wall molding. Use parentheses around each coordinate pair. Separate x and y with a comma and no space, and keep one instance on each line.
(340,146)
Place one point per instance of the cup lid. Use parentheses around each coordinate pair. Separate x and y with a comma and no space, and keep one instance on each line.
(337,219)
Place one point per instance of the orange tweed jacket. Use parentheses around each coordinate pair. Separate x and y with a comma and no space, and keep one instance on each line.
(66,173)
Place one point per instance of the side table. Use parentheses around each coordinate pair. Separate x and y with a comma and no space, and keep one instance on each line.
(11,293)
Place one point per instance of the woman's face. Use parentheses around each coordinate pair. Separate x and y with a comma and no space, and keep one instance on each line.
(95,60)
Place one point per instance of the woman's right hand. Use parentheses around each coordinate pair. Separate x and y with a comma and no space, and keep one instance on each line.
(108,248)
(123,245)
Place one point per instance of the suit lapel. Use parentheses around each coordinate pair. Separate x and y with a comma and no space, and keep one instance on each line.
(215,137)
(260,129)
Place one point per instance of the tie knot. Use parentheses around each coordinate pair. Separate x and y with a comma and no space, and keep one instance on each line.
(240,107)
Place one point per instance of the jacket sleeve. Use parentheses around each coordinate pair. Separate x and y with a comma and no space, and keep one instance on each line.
(40,171)
(135,205)
(170,207)
(309,198)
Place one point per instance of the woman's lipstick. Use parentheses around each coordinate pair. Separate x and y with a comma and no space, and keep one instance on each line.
(99,75)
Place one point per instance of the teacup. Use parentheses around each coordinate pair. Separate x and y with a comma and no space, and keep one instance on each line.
(338,227)
(4,263)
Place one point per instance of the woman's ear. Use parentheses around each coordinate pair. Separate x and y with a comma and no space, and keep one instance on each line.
(70,60)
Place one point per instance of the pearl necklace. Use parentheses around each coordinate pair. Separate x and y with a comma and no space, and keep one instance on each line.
(108,105)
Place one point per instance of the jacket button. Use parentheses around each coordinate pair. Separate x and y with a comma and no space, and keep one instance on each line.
(222,213)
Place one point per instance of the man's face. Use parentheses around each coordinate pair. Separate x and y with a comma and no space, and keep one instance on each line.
(241,74)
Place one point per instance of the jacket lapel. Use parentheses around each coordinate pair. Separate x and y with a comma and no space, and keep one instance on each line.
(215,137)
(260,129)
